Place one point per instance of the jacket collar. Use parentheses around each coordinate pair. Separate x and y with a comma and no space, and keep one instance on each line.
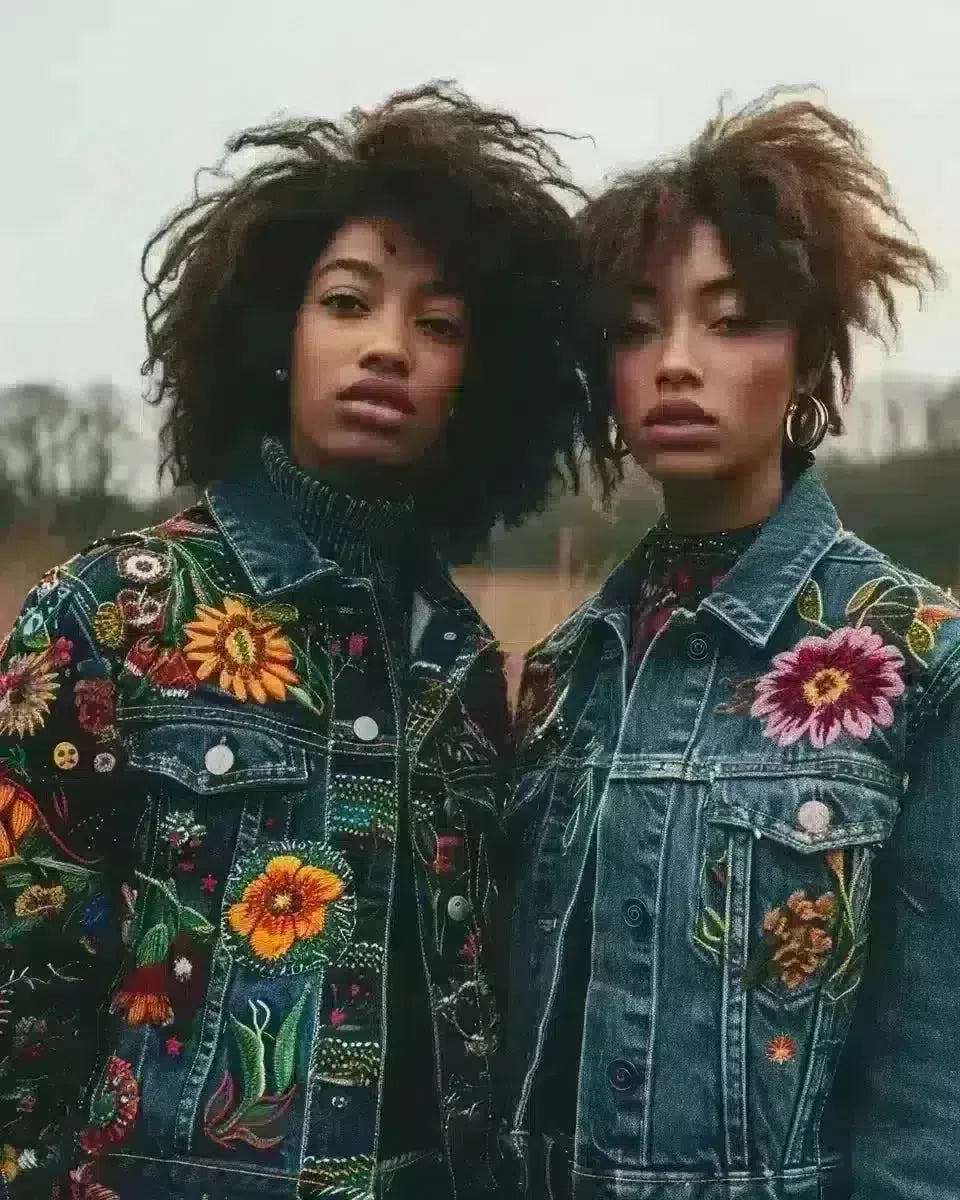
(768,577)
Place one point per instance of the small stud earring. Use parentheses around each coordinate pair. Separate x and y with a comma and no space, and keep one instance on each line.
(281,374)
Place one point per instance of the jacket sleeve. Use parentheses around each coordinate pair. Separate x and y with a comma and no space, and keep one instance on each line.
(906,1102)
(59,913)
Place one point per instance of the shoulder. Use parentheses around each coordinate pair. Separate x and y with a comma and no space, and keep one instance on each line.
(565,636)
(867,588)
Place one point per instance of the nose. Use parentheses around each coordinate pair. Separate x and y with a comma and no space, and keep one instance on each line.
(387,349)
(678,366)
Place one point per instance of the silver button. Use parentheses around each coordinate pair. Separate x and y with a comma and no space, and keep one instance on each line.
(458,908)
(813,817)
(104,762)
(449,636)
(697,647)
(366,728)
(219,759)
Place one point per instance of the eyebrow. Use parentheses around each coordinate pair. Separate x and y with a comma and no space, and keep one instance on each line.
(722,285)
(360,266)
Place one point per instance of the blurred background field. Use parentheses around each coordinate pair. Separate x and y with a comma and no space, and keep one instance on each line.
(74,467)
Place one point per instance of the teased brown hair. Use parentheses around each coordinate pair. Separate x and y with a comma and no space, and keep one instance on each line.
(807,219)
(484,192)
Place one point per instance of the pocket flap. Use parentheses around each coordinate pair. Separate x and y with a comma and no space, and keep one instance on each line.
(808,813)
(209,758)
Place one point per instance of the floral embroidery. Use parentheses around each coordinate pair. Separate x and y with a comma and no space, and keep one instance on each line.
(84,1185)
(798,939)
(108,626)
(245,1115)
(18,816)
(114,1109)
(142,996)
(27,688)
(782,1049)
(250,656)
(38,901)
(290,911)
(182,831)
(164,666)
(140,612)
(825,685)
(347,1064)
(96,704)
(142,566)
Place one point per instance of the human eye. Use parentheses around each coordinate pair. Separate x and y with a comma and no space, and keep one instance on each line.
(443,327)
(636,331)
(344,304)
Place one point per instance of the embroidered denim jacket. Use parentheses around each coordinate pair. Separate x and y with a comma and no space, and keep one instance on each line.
(763,833)
(204,745)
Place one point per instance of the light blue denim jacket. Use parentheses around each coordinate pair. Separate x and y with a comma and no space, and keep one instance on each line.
(762,835)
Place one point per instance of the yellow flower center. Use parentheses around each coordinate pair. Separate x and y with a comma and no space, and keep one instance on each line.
(281,902)
(827,686)
(240,647)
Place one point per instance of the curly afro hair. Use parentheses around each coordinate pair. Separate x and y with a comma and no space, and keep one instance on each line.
(806,218)
(481,191)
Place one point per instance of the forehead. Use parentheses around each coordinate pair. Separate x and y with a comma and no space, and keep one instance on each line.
(686,264)
(384,243)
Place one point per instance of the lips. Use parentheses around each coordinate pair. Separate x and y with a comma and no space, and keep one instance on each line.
(379,392)
(679,413)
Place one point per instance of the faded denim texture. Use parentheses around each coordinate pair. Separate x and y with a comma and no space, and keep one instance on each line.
(760,911)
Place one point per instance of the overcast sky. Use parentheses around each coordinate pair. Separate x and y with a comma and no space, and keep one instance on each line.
(110,105)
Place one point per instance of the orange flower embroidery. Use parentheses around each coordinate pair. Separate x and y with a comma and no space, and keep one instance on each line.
(798,933)
(249,654)
(285,905)
(17,817)
(782,1049)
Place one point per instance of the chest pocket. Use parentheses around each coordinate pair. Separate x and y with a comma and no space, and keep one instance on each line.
(209,757)
(784,878)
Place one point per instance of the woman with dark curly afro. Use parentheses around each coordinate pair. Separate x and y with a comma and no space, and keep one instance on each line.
(739,763)
(251,759)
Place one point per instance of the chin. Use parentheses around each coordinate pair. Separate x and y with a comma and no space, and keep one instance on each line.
(665,466)
(367,449)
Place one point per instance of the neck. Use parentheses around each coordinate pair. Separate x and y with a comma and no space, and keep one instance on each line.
(365,480)
(709,505)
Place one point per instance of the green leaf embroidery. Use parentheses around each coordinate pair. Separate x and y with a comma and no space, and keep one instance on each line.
(250,1044)
(810,603)
(303,698)
(73,872)
(285,1048)
(863,595)
(196,922)
(154,945)
(16,760)
(920,639)
(277,614)
(17,880)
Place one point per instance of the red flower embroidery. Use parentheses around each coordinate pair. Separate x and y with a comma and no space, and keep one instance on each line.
(143,996)
(115,1108)
(470,950)
(448,852)
(782,1049)
(141,612)
(165,667)
(96,704)
(356,644)
(825,685)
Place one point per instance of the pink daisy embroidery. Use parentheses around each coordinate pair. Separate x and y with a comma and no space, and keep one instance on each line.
(824,685)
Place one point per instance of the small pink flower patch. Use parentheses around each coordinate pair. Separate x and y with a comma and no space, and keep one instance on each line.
(824,685)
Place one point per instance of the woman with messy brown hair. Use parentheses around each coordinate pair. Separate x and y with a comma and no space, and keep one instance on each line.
(736,961)
(250,760)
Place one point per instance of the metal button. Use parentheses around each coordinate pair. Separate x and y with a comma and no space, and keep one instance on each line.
(449,636)
(813,817)
(366,728)
(697,647)
(458,908)
(622,1076)
(219,759)
(634,913)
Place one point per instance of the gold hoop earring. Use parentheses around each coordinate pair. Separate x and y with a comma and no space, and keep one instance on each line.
(813,412)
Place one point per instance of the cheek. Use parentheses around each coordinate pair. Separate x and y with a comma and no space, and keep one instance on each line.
(634,383)
(762,379)
(438,376)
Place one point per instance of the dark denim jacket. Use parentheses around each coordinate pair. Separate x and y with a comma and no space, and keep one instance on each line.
(205,743)
(763,836)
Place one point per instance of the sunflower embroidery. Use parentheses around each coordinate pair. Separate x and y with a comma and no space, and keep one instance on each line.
(823,686)
(27,688)
(247,654)
(289,908)
(37,901)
